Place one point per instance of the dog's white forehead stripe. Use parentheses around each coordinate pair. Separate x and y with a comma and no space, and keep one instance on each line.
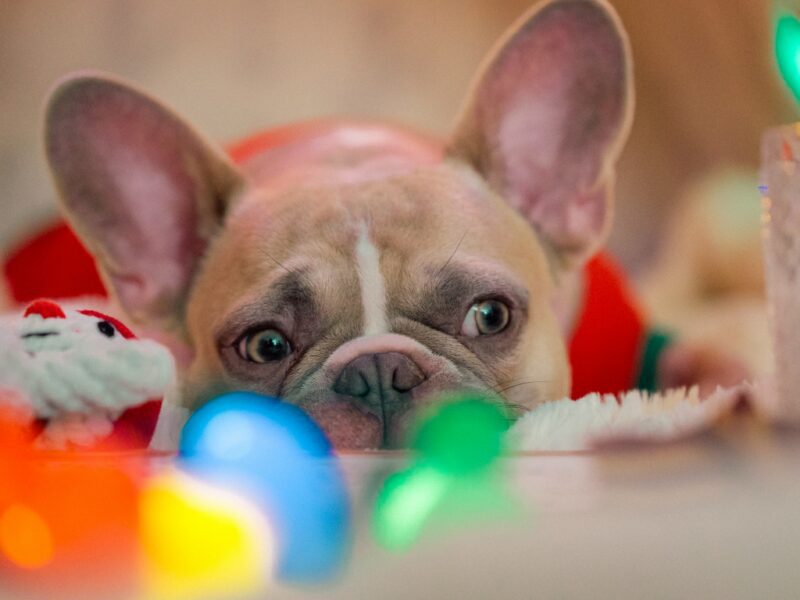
(373,290)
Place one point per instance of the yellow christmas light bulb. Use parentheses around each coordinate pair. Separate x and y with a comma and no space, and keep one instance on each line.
(199,541)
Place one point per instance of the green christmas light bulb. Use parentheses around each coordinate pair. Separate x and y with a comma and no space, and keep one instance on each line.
(462,436)
(787,51)
(457,444)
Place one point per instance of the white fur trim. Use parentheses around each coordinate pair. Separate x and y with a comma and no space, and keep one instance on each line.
(594,420)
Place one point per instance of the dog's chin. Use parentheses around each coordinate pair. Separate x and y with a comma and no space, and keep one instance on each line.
(348,427)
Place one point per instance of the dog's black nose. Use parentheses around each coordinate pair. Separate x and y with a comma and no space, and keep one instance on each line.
(379,379)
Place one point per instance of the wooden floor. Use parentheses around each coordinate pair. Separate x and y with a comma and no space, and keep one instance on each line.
(716,517)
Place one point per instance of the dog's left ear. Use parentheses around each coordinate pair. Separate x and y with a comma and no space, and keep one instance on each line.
(145,192)
(547,118)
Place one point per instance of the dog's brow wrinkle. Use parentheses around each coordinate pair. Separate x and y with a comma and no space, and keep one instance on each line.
(290,291)
(292,288)
(453,285)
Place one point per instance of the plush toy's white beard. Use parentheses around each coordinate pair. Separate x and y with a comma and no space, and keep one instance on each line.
(77,369)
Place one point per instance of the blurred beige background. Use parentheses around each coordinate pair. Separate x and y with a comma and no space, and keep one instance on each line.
(705,82)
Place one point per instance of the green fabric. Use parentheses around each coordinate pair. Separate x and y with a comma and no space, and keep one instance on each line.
(657,341)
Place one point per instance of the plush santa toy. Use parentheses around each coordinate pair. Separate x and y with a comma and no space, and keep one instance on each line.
(82,378)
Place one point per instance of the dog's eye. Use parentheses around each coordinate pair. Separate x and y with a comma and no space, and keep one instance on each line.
(267,345)
(486,318)
(106,328)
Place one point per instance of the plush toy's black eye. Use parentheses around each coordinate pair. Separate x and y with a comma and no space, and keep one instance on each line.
(267,345)
(106,328)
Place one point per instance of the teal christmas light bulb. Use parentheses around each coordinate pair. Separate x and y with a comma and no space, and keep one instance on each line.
(787,51)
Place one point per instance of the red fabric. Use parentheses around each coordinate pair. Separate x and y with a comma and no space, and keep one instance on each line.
(607,341)
(134,429)
(244,149)
(52,264)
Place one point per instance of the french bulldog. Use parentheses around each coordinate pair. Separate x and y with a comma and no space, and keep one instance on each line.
(356,269)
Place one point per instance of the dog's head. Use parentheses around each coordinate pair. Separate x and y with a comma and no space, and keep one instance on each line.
(361,270)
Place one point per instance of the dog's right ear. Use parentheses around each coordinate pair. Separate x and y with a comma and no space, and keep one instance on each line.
(546,119)
(144,191)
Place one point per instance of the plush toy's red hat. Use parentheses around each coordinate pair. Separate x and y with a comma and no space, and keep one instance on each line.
(46,309)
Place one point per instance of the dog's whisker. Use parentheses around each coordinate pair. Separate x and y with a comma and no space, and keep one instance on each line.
(514,411)
(276,261)
(442,268)
(517,409)
(500,390)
